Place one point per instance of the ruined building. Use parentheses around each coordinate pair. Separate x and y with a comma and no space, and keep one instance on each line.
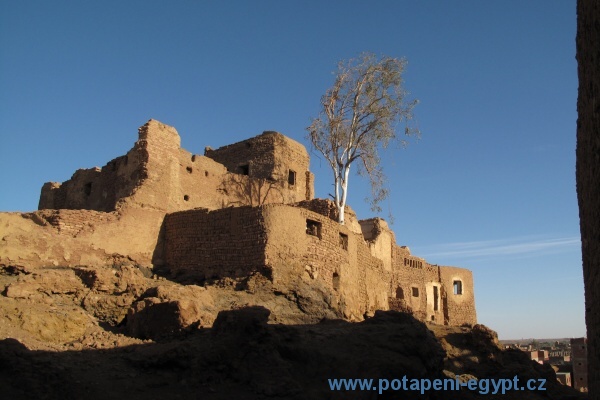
(238,211)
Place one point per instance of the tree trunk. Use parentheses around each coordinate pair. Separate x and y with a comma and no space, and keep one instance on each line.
(588,176)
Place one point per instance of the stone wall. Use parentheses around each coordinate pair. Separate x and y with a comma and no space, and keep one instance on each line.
(588,175)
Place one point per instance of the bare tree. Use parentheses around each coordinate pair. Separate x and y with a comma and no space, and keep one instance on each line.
(359,117)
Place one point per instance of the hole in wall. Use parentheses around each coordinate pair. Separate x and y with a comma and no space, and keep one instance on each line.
(205,173)
(415,292)
(291,177)
(186,197)
(343,241)
(399,293)
(244,169)
(87,188)
(189,169)
(193,157)
(313,228)
(336,281)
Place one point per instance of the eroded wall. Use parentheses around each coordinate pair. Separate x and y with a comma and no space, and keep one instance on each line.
(48,238)
(295,242)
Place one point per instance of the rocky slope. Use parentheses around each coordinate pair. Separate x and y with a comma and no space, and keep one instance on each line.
(121,331)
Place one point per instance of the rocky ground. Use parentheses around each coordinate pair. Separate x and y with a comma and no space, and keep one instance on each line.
(122,332)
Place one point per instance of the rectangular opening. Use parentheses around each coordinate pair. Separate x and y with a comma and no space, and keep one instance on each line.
(291,177)
(336,281)
(415,291)
(87,189)
(244,169)
(435,298)
(343,241)
(313,228)
(458,287)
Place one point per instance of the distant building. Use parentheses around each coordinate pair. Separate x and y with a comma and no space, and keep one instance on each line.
(580,364)
(540,356)
(564,378)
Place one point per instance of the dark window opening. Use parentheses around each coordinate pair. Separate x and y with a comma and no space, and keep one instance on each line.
(415,292)
(87,189)
(186,197)
(435,299)
(433,317)
(343,241)
(457,287)
(313,228)
(399,293)
(244,169)
(189,169)
(292,177)
(336,281)
(205,173)
(193,157)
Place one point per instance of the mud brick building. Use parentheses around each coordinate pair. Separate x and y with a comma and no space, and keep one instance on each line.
(240,210)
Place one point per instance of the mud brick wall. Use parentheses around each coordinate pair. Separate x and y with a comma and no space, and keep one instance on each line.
(158,174)
(588,175)
(227,243)
(461,306)
(304,243)
(273,157)
(71,222)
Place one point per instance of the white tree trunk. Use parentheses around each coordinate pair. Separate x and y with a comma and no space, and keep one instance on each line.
(342,202)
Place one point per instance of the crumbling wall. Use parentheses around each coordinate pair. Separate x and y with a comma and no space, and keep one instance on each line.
(380,239)
(158,174)
(588,175)
(228,243)
(79,237)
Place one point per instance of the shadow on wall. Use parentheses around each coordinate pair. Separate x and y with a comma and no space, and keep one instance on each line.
(251,191)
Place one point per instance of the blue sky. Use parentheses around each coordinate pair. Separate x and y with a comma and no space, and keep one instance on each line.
(490,186)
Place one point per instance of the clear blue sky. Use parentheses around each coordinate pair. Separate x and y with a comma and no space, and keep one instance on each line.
(490,186)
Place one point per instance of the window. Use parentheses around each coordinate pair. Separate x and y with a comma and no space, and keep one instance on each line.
(244,169)
(87,189)
(415,292)
(435,299)
(189,170)
(186,197)
(458,287)
(292,177)
(343,241)
(313,228)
